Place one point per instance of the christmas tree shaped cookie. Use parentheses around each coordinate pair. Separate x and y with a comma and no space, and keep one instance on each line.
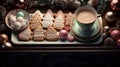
(69,18)
(50,11)
(38,34)
(36,20)
(33,26)
(60,13)
(59,22)
(25,35)
(51,34)
(47,20)
(37,17)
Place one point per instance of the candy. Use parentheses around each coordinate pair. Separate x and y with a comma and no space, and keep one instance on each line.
(12,18)
(21,14)
(24,23)
(17,25)
(20,19)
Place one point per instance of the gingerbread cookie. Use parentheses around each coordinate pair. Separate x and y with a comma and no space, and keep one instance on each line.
(47,20)
(69,18)
(51,34)
(39,34)
(33,26)
(36,20)
(50,11)
(46,23)
(59,22)
(25,35)
(60,13)
(37,17)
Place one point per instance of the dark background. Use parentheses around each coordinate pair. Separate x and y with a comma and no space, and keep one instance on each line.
(59,59)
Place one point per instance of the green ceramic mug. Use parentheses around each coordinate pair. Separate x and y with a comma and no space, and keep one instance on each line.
(85,17)
(86,27)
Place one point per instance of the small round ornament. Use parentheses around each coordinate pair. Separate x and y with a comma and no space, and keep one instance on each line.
(118,24)
(7,44)
(115,5)
(3,28)
(118,42)
(106,29)
(2,12)
(110,16)
(63,34)
(104,35)
(109,42)
(76,4)
(3,38)
(115,34)
(70,38)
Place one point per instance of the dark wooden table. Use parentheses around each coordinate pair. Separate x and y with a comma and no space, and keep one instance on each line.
(58,48)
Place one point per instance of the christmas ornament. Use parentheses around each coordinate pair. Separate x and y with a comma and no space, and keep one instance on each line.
(110,16)
(7,44)
(3,38)
(66,3)
(104,35)
(3,28)
(70,38)
(115,34)
(118,24)
(20,4)
(99,5)
(29,4)
(118,42)
(2,12)
(109,42)
(115,4)
(93,2)
(63,34)
(76,4)
(106,29)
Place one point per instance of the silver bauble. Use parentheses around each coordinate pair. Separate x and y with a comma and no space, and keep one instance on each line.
(110,16)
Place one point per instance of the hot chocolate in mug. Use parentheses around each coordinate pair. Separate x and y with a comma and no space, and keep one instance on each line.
(85,25)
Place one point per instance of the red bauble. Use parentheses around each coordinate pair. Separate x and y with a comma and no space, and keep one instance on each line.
(118,42)
(63,34)
(115,34)
(115,4)
(70,38)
